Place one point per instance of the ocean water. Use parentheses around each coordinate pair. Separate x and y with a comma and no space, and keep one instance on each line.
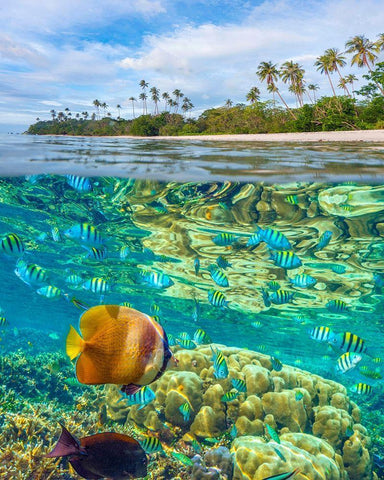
(161,208)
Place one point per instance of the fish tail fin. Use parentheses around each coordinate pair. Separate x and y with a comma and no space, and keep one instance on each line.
(66,445)
(74,344)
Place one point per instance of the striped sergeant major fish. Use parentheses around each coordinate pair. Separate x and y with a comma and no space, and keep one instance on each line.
(320,334)
(12,244)
(276,364)
(49,291)
(151,444)
(281,296)
(224,239)
(255,239)
(85,233)
(229,396)
(142,397)
(97,285)
(201,337)
(348,342)
(337,306)
(285,259)
(265,295)
(157,279)
(31,274)
(283,476)
(218,276)
(99,253)
(275,239)
(362,389)
(347,361)
(220,368)
(81,184)
(303,281)
(239,384)
(223,262)
(324,240)
(217,298)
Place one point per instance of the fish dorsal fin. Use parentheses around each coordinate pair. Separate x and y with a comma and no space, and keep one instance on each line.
(66,445)
(97,318)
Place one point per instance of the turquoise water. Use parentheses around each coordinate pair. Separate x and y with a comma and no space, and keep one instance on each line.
(150,224)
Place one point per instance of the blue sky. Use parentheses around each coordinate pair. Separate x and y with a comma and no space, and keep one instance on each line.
(56,54)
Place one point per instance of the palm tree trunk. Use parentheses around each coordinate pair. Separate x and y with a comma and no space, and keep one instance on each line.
(345,86)
(330,81)
(286,106)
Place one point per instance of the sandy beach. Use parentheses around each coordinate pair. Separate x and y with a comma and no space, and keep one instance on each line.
(376,136)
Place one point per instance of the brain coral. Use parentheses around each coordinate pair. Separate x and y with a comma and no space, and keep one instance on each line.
(311,415)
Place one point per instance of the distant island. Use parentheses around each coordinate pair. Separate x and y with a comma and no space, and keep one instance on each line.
(170,115)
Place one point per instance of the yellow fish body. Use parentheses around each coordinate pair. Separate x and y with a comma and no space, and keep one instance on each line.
(119,345)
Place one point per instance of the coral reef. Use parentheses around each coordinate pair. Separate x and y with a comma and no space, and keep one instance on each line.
(313,416)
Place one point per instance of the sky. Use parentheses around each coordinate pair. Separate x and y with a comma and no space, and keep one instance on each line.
(56,54)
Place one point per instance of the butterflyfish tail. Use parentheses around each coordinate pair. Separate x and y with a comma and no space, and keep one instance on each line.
(74,344)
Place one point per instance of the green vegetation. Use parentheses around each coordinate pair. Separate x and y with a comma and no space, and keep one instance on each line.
(345,112)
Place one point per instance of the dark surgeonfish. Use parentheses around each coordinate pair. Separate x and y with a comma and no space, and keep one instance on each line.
(108,454)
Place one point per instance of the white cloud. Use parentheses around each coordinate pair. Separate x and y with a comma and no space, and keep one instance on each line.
(51,103)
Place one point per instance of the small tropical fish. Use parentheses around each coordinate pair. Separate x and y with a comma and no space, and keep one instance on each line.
(281,296)
(298,395)
(126,304)
(346,207)
(184,336)
(254,240)
(374,374)
(283,476)
(12,244)
(171,340)
(275,239)
(3,322)
(349,432)
(158,206)
(182,458)
(218,276)
(50,291)
(256,325)
(54,336)
(233,432)
(348,342)
(338,268)
(97,253)
(324,240)
(151,444)
(303,281)
(239,384)
(285,259)
(260,348)
(377,360)
(276,364)
(81,184)
(220,368)
(279,454)
(292,199)
(108,454)
(229,396)
(31,274)
(196,264)
(139,345)
(97,285)
(272,433)
(186,343)
(124,252)
(361,389)
(224,239)
(273,285)
(217,298)
(85,233)
(155,309)
(320,334)
(347,361)
(55,232)
(185,410)
(265,296)
(157,279)
(201,337)
(157,319)
(300,319)
(223,262)
(79,304)
(74,279)
(337,306)
(142,397)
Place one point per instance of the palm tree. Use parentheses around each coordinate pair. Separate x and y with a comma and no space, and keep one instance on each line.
(133,100)
(253,95)
(143,97)
(350,79)
(337,60)
(342,84)
(104,106)
(364,53)
(268,71)
(118,106)
(53,113)
(228,103)
(67,113)
(155,95)
(380,41)
(165,96)
(313,87)
(178,94)
(323,63)
(143,84)
(187,105)
(97,104)
(85,115)
(293,74)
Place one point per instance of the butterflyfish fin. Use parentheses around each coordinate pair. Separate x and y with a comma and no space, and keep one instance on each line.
(74,344)
(66,445)
(97,318)
(131,389)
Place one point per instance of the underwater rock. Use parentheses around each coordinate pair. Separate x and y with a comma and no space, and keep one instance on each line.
(221,459)
(356,457)
(331,424)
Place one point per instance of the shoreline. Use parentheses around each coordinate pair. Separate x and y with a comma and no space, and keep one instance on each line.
(376,136)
